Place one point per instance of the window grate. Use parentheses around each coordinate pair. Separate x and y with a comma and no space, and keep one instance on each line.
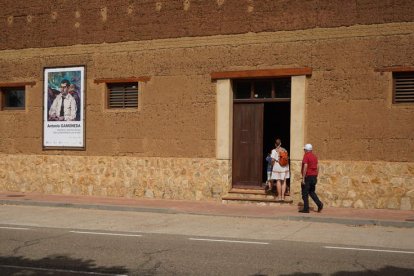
(403,87)
(122,95)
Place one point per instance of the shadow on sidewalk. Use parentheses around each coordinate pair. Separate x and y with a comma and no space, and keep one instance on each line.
(386,270)
(55,265)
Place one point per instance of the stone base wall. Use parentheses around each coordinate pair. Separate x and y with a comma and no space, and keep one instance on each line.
(388,185)
(168,178)
(385,185)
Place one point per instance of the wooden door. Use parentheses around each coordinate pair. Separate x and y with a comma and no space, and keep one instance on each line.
(247,144)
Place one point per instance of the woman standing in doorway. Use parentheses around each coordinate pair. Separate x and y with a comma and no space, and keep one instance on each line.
(280,170)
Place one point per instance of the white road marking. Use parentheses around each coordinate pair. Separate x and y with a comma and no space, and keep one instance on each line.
(14,228)
(211,240)
(369,249)
(61,270)
(108,234)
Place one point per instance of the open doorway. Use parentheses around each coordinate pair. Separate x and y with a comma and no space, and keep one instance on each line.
(261,113)
(276,124)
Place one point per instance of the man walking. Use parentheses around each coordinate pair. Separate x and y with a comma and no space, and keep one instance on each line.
(309,179)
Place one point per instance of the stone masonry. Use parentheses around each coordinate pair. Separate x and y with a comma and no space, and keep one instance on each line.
(168,178)
(386,185)
(341,183)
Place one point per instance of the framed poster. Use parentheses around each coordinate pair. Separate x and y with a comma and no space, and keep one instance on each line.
(63,108)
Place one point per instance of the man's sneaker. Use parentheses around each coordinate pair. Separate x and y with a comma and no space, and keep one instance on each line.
(320,208)
(303,211)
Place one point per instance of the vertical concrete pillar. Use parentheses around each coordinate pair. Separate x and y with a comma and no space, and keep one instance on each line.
(297,123)
(224,119)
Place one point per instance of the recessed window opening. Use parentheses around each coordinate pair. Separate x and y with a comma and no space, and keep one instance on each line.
(13,98)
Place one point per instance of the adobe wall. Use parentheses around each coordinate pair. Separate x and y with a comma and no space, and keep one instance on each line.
(166,149)
(349,115)
(34,23)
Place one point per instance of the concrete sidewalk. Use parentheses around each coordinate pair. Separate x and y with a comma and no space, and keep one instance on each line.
(350,216)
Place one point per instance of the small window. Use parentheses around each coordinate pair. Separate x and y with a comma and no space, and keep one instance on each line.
(259,89)
(282,88)
(123,95)
(243,90)
(403,87)
(263,89)
(13,98)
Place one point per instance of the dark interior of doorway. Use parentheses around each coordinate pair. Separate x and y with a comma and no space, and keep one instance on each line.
(276,125)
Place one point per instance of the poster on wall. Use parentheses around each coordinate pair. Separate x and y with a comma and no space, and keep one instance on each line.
(63,107)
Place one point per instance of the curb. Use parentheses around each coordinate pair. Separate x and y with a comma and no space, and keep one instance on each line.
(108,207)
(354,222)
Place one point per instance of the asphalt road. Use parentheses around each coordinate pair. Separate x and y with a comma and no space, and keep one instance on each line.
(29,250)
